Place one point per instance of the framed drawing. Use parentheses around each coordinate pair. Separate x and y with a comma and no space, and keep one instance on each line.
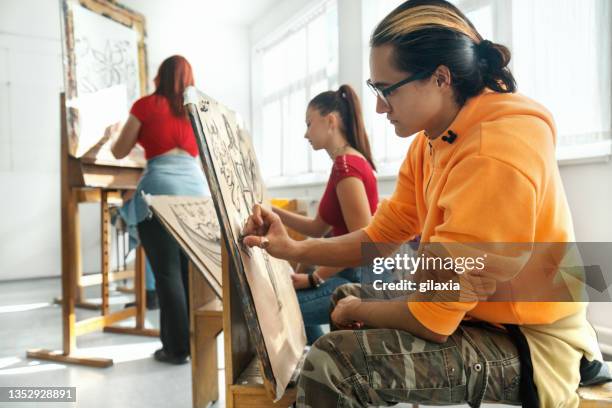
(269,302)
(193,223)
(104,73)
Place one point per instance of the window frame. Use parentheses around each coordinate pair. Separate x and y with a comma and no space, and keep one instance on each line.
(328,74)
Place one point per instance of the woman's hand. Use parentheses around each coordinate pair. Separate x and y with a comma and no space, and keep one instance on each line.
(344,315)
(112,132)
(300,280)
(127,139)
(265,229)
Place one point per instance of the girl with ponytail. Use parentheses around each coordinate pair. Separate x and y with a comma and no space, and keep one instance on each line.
(334,122)
(481,169)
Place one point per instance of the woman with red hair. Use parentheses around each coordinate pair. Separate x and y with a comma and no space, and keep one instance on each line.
(159,123)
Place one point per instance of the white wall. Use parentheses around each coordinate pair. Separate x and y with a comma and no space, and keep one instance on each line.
(589,192)
(30,83)
(275,17)
(218,51)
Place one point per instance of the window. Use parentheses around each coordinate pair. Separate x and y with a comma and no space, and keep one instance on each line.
(387,148)
(561,58)
(290,67)
(562,53)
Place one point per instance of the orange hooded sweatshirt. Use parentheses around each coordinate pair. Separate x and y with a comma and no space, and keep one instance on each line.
(498,181)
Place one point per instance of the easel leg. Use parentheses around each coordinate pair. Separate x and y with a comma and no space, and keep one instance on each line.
(70,215)
(204,364)
(206,322)
(106,244)
(141,309)
(79,290)
(140,287)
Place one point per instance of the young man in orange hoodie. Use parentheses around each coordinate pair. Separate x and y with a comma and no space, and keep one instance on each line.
(481,169)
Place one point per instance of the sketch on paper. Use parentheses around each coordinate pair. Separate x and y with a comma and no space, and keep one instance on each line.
(239,170)
(193,223)
(106,54)
(103,77)
(270,304)
(199,221)
(102,68)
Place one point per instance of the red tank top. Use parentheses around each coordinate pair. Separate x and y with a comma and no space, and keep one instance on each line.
(161,130)
(345,166)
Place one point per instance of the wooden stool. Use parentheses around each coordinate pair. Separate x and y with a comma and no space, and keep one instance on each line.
(597,396)
(206,322)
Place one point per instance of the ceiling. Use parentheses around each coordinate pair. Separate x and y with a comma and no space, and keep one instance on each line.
(241,12)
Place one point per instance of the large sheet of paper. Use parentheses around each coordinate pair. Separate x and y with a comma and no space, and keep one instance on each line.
(193,223)
(269,303)
(102,81)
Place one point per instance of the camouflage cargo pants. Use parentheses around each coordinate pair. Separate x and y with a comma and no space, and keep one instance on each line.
(382,367)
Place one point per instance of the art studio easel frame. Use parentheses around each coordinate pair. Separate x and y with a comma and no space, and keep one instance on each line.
(85,182)
(209,316)
(87,179)
(125,175)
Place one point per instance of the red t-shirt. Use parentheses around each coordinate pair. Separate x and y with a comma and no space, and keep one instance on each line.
(345,166)
(161,130)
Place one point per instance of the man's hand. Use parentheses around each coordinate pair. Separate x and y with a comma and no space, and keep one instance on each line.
(345,315)
(265,229)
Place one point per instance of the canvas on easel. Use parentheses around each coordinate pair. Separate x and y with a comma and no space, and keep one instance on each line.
(193,223)
(104,75)
(269,302)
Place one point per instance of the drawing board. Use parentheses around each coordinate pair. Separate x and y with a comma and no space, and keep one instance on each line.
(193,223)
(104,73)
(269,301)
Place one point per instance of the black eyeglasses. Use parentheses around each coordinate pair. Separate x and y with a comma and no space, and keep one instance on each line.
(382,93)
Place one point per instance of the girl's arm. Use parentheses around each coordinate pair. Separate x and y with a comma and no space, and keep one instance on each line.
(354,203)
(127,139)
(355,211)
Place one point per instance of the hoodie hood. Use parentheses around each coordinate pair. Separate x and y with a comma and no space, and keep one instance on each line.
(490,106)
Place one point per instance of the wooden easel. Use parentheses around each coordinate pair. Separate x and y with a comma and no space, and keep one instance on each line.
(206,322)
(244,386)
(88,172)
(209,316)
(82,181)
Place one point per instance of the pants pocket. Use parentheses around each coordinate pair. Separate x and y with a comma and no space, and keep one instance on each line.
(493,366)
(503,383)
(430,376)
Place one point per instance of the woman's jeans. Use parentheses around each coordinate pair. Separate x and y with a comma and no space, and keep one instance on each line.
(168,175)
(170,267)
(315,303)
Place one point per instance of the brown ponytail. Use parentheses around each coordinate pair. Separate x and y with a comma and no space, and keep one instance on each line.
(346,103)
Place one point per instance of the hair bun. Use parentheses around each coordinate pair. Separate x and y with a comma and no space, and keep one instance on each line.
(490,57)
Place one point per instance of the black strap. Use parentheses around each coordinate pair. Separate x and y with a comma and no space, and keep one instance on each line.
(527,387)
(311,280)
